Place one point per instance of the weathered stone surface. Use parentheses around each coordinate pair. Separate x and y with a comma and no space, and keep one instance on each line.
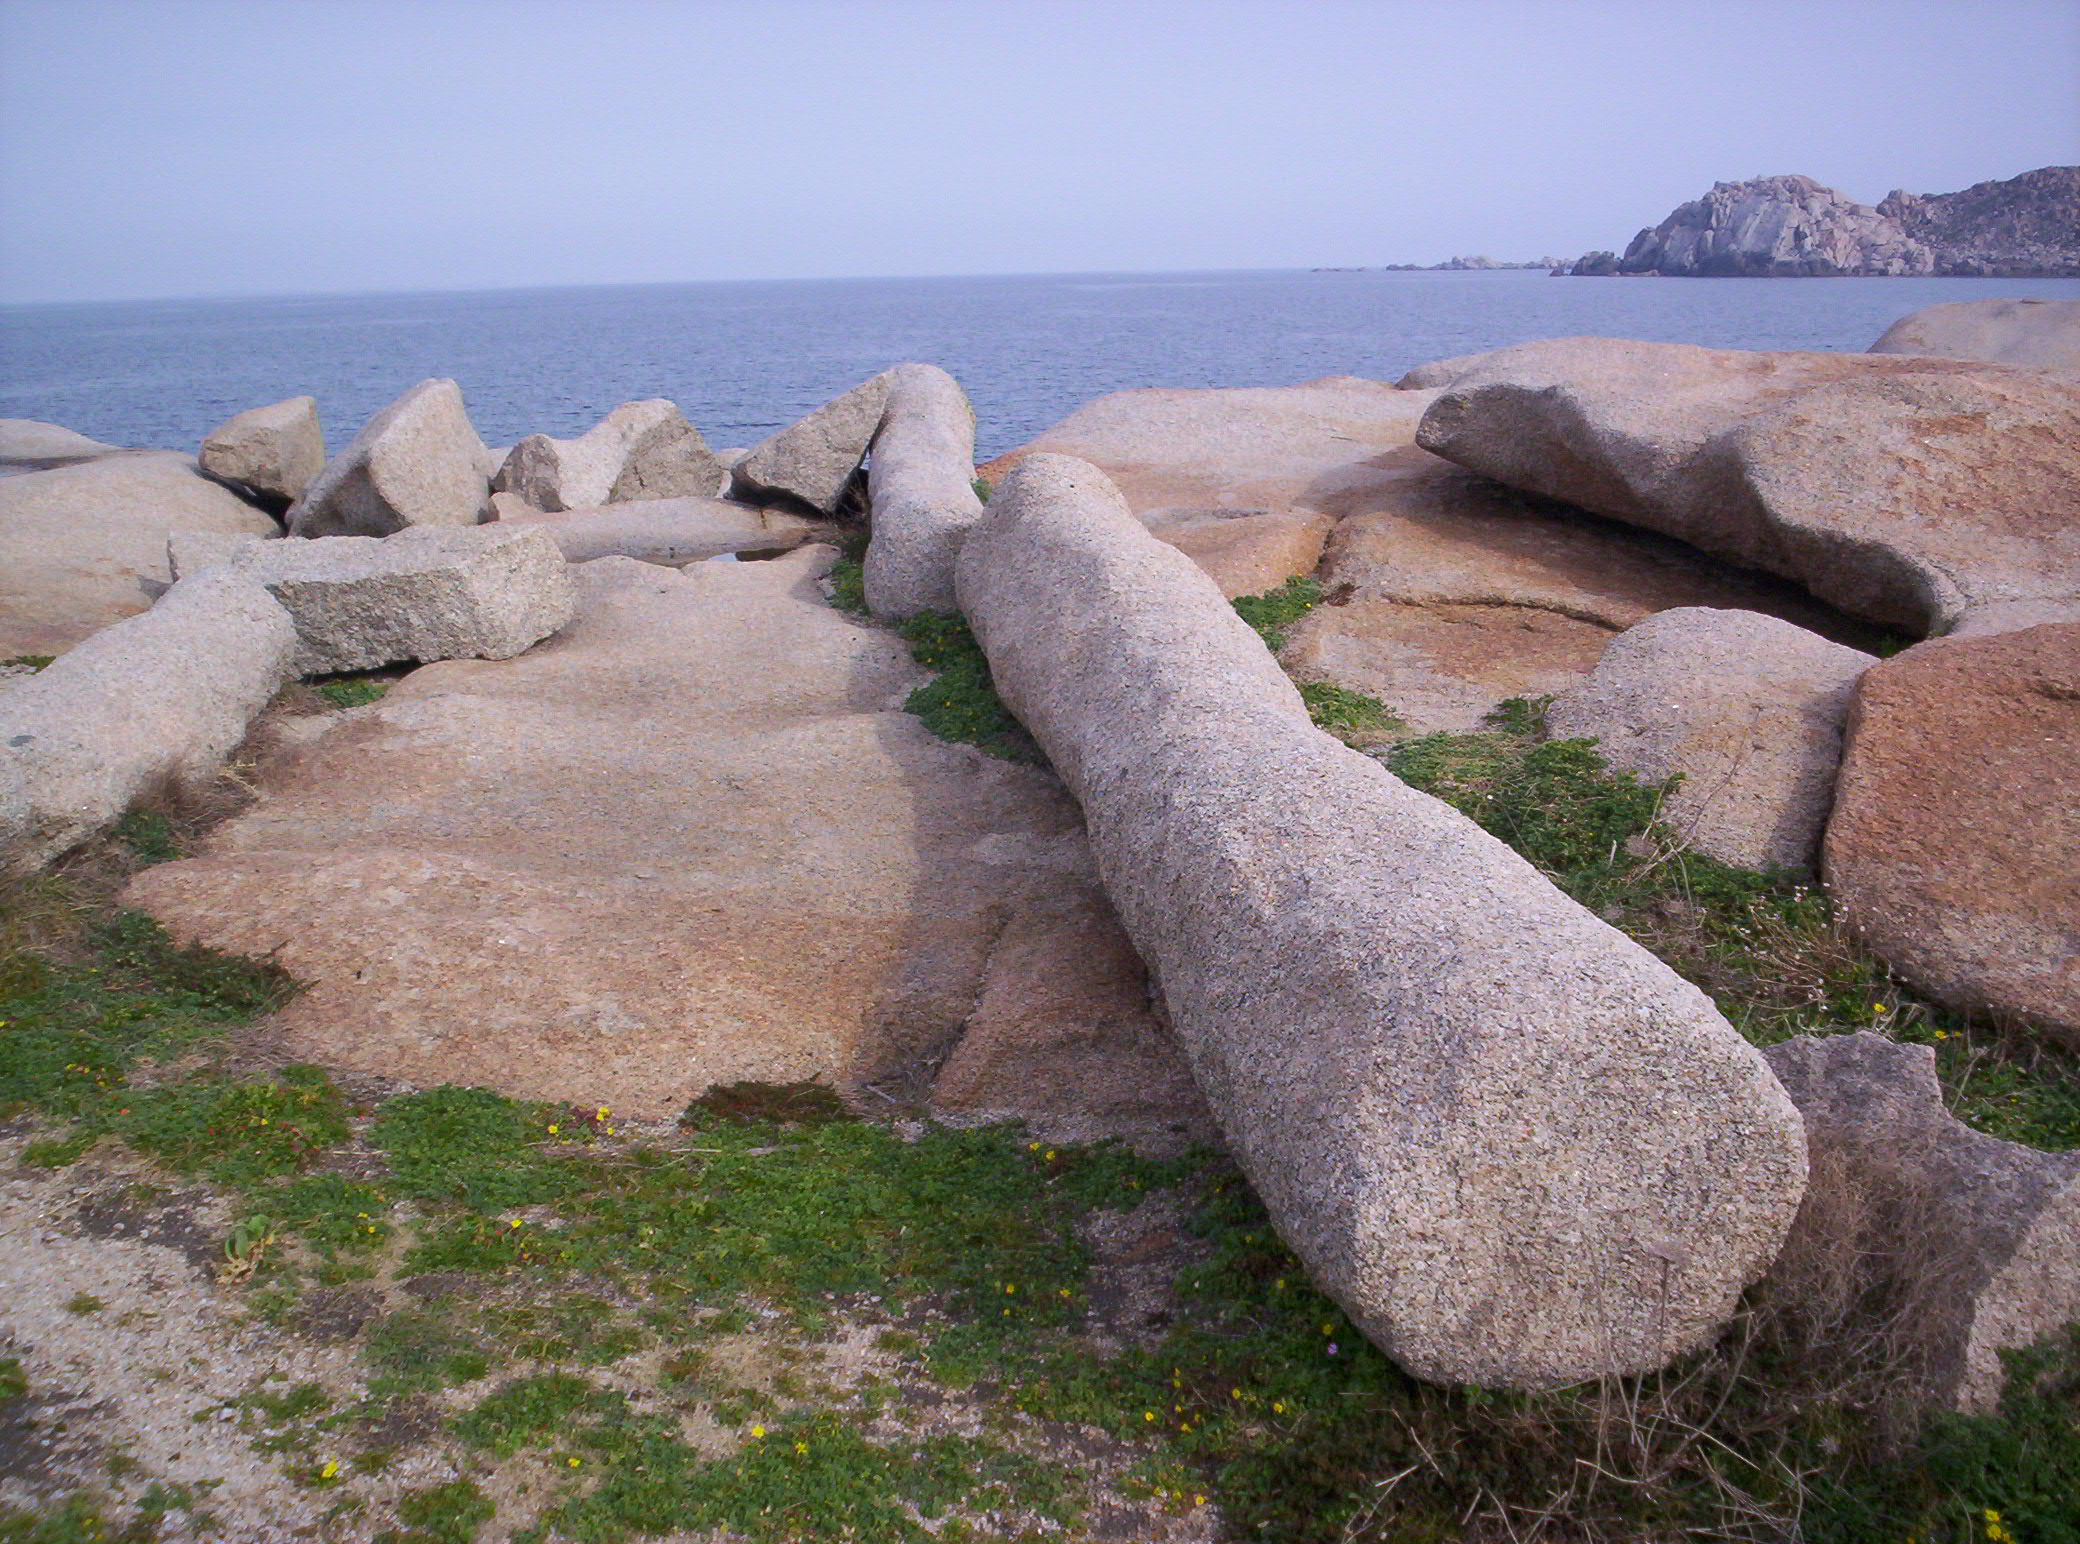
(151,699)
(427,593)
(1246,552)
(2043,334)
(189,552)
(670,531)
(1967,1244)
(417,462)
(1749,709)
(1447,592)
(692,839)
(276,450)
(2008,226)
(83,546)
(641,450)
(1517,1148)
(1955,843)
(1904,490)
(27,445)
(1443,667)
(920,492)
(814,460)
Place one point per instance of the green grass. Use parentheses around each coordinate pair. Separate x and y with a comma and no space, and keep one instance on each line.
(31,662)
(442,1514)
(848,586)
(1344,712)
(356,689)
(960,703)
(1275,610)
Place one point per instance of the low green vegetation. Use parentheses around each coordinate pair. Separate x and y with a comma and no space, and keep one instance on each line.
(1275,610)
(352,691)
(960,702)
(657,1328)
(1346,713)
(29,662)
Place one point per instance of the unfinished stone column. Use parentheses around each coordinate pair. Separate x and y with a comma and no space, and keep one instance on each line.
(921,487)
(1512,1144)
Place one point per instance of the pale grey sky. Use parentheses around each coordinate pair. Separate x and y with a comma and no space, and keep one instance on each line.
(222,147)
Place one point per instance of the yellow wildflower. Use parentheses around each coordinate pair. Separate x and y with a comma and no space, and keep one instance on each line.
(758,1431)
(330,1471)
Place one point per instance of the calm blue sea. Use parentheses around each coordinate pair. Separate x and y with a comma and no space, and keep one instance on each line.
(746,358)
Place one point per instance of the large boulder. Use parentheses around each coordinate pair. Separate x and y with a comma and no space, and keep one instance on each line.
(29,445)
(1904,490)
(1513,1145)
(2044,334)
(641,450)
(692,839)
(1776,227)
(417,462)
(813,461)
(1945,1246)
(430,592)
(1447,592)
(920,492)
(152,700)
(674,532)
(275,451)
(1747,708)
(83,546)
(1955,843)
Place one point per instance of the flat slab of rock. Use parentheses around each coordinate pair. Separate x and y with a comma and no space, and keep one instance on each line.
(152,699)
(1448,592)
(83,546)
(1904,490)
(29,445)
(2043,334)
(276,450)
(1748,708)
(813,461)
(1517,1148)
(1955,843)
(692,839)
(641,450)
(1968,1244)
(427,593)
(417,462)
(668,531)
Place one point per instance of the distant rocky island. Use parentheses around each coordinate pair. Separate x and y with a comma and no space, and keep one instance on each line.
(1454,265)
(1795,227)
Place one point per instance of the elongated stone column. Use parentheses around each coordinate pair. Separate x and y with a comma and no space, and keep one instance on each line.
(920,485)
(1513,1145)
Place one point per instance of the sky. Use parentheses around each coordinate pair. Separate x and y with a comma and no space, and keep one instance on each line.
(176,148)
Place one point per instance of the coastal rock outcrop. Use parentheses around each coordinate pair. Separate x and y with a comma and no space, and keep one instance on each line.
(920,492)
(1514,1146)
(1904,490)
(2044,334)
(30,445)
(427,593)
(1961,867)
(815,459)
(692,839)
(275,451)
(84,545)
(152,699)
(1748,708)
(417,462)
(641,450)
(1794,227)
(2026,226)
(1960,1245)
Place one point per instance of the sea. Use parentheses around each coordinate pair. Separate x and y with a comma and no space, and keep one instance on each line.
(745,358)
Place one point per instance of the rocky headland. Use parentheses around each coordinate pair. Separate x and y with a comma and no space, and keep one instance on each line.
(966,794)
(1795,227)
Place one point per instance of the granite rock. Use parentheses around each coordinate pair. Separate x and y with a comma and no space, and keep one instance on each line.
(814,460)
(1904,490)
(920,492)
(28,445)
(417,462)
(1965,1244)
(84,545)
(1954,849)
(1514,1146)
(1747,708)
(668,531)
(641,450)
(2042,334)
(155,699)
(275,451)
